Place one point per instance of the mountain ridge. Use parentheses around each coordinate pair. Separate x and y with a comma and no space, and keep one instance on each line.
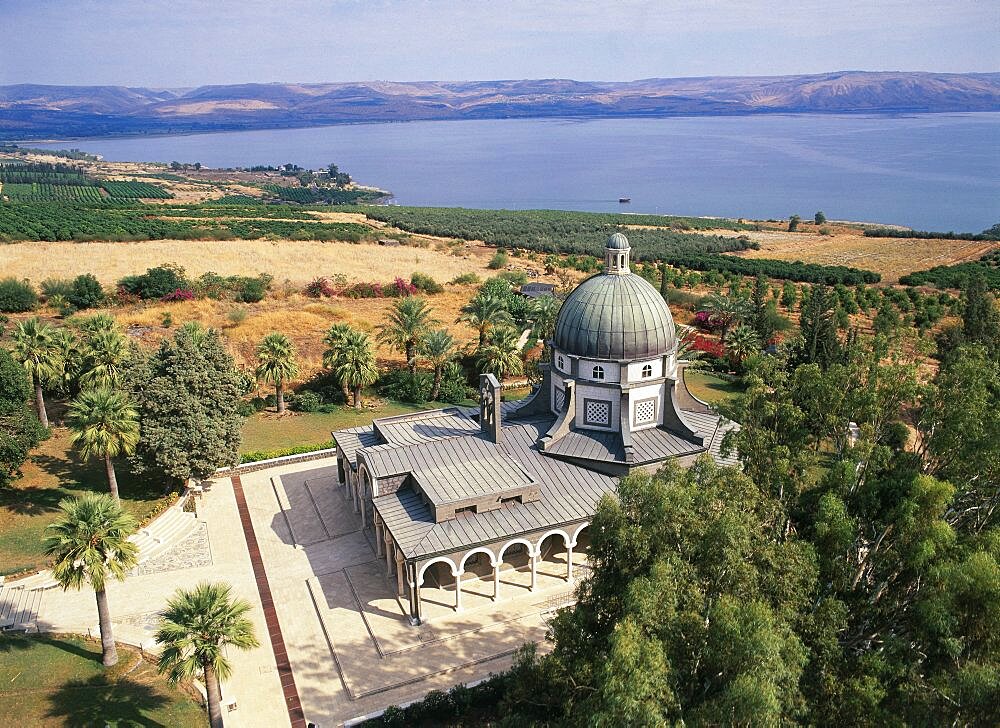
(32,111)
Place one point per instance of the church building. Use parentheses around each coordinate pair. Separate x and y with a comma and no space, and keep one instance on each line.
(462,491)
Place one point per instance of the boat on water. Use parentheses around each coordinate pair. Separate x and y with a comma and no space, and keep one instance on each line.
(624,200)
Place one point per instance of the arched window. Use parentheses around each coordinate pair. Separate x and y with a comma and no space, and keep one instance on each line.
(559,364)
(647,371)
(621,261)
(598,372)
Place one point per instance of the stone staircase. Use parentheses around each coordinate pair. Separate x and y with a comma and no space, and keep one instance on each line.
(21,599)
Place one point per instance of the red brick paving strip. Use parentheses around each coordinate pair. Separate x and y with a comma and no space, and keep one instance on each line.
(292,703)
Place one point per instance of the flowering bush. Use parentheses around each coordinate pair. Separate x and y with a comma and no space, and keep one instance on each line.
(321,287)
(712,347)
(179,294)
(703,320)
(401,288)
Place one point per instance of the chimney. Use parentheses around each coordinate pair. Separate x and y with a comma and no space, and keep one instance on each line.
(489,407)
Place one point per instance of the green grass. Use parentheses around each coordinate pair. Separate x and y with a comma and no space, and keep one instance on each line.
(30,503)
(60,682)
(267,431)
(710,388)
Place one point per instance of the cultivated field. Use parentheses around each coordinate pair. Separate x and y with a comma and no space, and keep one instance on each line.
(295,261)
(891,257)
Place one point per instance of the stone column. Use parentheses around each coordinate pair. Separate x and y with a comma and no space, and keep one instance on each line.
(389,548)
(356,495)
(496,581)
(534,570)
(569,563)
(399,573)
(458,592)
(379,536)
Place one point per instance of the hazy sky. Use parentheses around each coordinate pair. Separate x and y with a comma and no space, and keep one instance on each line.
(186,43)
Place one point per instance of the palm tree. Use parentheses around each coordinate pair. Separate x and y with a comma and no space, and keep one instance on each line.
(727,311)
(484,312)
(276,363)
(743,343)
(70,358)
(38,350)
(546,313)
(195,629)
(106,351)
(334,341)
(90,543)
(103,422)
(501,355)
(357,364)
(439,349)
(406,326)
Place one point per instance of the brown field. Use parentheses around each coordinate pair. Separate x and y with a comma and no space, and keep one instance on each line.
(295,261)
(891,257)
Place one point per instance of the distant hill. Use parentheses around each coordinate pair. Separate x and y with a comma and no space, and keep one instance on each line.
(35,111)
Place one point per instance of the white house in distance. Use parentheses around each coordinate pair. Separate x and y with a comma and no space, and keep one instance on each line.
(458,491)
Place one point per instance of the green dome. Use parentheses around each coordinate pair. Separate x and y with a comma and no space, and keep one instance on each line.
(618,241)
(619,316)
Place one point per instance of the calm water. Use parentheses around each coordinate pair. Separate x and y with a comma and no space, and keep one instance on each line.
(935,171)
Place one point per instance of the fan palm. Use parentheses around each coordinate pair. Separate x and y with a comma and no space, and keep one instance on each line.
(276,364)
(90,544)
(484,312)
(334,340)
(37,348)
(439,349)
(194,631)
(106,351)
(104,423)
(727,311)
(501,355)
(743,343)
(357,364)
(406,326)
(546,313)
(70,357)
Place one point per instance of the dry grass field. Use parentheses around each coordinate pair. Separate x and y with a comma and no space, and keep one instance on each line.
(295,261)
(891,257)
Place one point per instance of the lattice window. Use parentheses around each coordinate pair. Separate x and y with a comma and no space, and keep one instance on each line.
(645,411)
(598,372)
(647,370)
(597,412)
(560,399)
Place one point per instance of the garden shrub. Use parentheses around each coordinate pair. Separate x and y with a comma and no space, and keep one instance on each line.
(86,292)
(515,277)
(465,279)
(400,385)
(56,287)
(423,282)
(454,386)
(17,296)
(307,402)
(498,261)
(156,282)
(258,455)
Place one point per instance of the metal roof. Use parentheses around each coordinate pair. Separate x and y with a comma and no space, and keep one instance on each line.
(648,446)
(420,427)
(620,317)
(353,439)
(617,241)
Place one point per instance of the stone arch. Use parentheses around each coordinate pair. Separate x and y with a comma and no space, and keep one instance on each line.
(526,542)
(478,550)
(566,539)
(435,560)
(578,530)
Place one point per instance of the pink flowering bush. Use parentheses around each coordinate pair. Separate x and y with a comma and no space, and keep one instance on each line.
(179,294)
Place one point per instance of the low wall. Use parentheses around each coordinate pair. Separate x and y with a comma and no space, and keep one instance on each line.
(273,462)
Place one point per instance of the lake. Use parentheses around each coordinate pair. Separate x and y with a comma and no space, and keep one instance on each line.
(930,171)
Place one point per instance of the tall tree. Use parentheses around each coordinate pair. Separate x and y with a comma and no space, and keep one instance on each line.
(195,629)
(104,423)
(106,353)
(36,347)
(818,325)
(484,312)
(763,313)
(357,365)
(334,339)
(981,317)
(439,349)
(727,311)
(501,355)
(89,544)
(743,343)
(545,315)
(276,363)
(188,394)
(20,429)
(405,327)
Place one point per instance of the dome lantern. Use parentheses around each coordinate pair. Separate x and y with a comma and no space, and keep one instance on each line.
(616,255)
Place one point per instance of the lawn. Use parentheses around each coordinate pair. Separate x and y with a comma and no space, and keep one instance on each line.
(267,431)
(52,473)
(710,388)
(60,682)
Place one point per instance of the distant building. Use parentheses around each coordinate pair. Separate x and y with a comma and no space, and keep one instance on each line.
(456,489)
(537,290)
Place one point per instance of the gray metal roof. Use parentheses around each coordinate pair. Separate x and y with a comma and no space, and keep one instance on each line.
(568,492)
(648,446)
(718,427)
(619,317)
(617,241)
(419,427)
(353,439)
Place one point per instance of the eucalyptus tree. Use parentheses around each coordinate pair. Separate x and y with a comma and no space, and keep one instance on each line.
(439,350)
(195,631)
(104,423)
(276,363)
(405,327)
(37,348)
(90,545)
